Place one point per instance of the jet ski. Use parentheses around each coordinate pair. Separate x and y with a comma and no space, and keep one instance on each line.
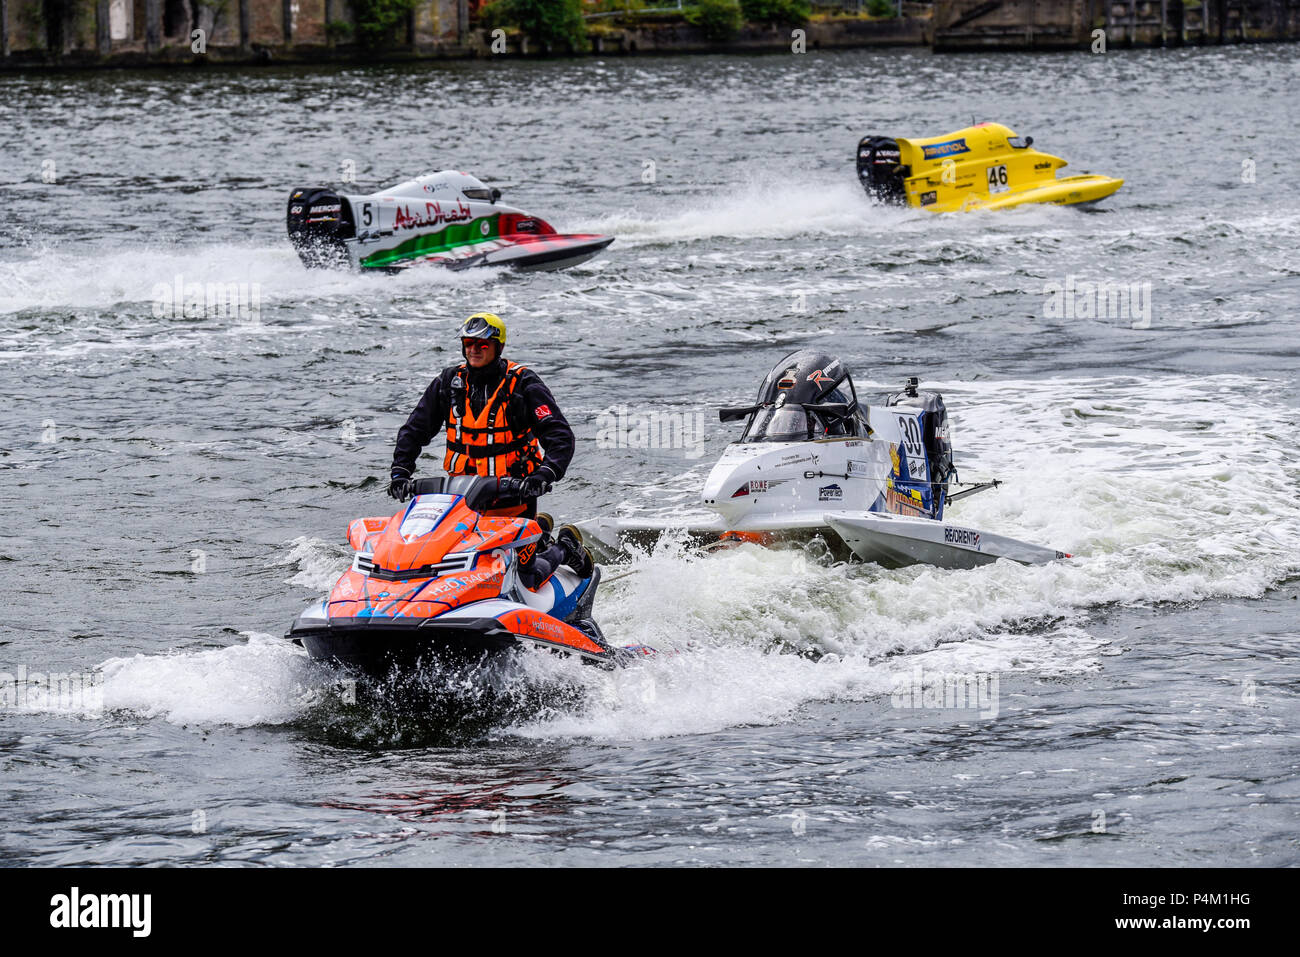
(872,481)
(444,218)
(440,579)
(986,166)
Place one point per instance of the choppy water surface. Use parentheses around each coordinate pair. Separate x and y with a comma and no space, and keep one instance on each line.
(175,489)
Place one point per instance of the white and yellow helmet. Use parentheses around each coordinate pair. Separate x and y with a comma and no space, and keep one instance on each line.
(485,325)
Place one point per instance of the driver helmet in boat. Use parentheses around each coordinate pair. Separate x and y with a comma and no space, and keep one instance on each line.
(484,325)
(805,378)
(449,183)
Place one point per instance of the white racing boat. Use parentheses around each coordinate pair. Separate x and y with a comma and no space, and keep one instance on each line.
(870,480)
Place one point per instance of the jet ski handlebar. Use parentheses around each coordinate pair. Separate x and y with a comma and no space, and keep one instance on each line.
(480,492)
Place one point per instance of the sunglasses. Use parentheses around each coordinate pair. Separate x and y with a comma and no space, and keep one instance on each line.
(476,343)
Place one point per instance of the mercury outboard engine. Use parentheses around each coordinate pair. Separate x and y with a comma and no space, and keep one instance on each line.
(319,219)
(879,170)
(934,437)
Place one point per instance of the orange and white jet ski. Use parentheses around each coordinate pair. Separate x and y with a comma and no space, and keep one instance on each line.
(440,579)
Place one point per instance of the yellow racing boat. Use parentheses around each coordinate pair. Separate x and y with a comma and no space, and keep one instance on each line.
(986,166)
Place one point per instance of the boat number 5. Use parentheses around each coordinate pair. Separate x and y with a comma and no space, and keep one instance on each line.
(911,430)
(368,219)
(997,179)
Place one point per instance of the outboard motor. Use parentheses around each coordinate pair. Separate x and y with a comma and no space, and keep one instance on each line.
(879,169)
(319,219)
(934,435)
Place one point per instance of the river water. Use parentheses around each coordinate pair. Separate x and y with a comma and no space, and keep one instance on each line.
(175,489)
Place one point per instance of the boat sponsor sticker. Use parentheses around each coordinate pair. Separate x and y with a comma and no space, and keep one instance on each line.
(858,468)
(830,493)
(757,485)
(795,458)
(929,198)
(964,537)
(426,513)
(946,148)
(433,215)
(905,502)
(460,582)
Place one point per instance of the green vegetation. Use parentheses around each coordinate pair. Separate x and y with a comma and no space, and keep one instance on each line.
(882,8)
(377,20)
(620,6)
(555,23)
(776,11)
(338,31)
(721,19)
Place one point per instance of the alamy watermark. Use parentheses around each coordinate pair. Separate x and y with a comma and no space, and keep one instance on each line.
(213,300)
(626,429)
(74,692)
(944,690)
(1105,299)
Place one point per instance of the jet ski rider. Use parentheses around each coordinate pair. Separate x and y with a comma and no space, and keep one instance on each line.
(499,417)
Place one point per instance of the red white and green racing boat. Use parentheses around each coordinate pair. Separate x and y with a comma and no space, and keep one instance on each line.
(444,218)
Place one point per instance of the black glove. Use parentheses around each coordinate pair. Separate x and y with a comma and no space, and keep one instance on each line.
(537,484)
(401,487)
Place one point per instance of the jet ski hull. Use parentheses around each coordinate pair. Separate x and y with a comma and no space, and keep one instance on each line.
(378,647)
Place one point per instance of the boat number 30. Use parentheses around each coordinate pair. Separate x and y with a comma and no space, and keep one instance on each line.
(997,179)
(911,431)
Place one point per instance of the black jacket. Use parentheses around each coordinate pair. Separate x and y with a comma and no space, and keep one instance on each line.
(532,401)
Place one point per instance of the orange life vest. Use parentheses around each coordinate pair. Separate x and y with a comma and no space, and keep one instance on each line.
(487,443)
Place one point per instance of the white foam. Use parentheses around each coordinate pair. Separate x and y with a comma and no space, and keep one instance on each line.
(768,206)
(319,563)
(264,681)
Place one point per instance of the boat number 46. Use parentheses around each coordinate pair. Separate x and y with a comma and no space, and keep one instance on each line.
(997,179)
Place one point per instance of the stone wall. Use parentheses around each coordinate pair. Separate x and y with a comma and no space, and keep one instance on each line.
(964,25)
(141,32)
(54,29)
